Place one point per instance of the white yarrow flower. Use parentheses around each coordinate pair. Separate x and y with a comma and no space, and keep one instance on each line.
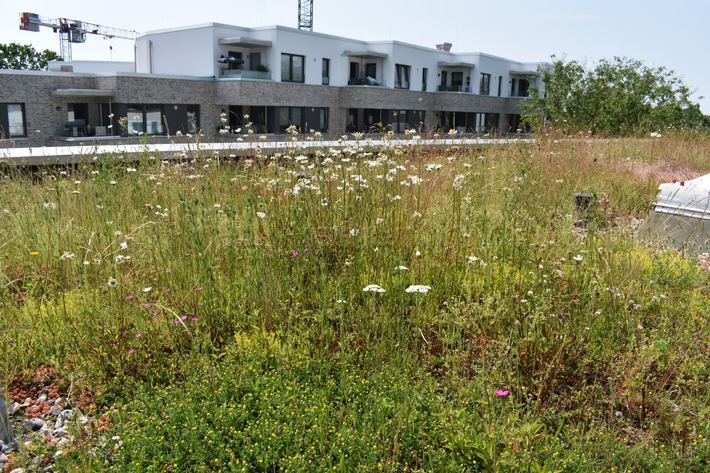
(373,288)
(418,288)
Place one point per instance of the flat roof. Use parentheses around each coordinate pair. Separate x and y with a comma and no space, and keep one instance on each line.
(455,64)
(366,54)
(244,42)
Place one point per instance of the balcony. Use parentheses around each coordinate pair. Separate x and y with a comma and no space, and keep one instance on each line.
(244,74)
(366,81)
(453,88)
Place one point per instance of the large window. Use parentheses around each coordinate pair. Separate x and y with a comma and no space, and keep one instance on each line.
(290,116)
(401,76)
(485,87)
(457,81)
(326,72)
(523,88)
(193,118)
(12,120)
(144,119)
(292,68)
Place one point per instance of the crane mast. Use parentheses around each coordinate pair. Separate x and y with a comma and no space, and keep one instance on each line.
(305,15)
(71,31)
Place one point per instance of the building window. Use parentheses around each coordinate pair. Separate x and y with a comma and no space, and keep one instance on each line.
(292,68)
(326,72)
(371,70)
(12,120)
(401,76)
(193,118)
(457,81)
(485,87)
(289,116)
(237,63)
(144,120)
(425,73)
(523,86)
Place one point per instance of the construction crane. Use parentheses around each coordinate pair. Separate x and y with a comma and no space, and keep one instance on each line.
(305,15)
(71,31)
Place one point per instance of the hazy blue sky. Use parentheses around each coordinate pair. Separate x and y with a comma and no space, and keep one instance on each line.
(671,34)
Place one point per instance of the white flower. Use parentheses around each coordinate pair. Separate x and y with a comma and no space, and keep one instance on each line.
(373,288)
(402,268)
(66,255)
(147,289)
(49,206)
(124,245)
(472,259)
(379,221)
(577,258)
(131,169)
(261,214)
(112,282)
(418,288)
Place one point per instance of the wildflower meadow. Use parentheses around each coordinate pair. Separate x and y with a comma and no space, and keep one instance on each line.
(394,308)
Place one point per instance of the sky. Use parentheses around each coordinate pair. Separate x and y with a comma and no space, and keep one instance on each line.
(674,35)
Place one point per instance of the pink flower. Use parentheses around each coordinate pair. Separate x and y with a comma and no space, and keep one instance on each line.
(139,335)
(193,319)
(295,253)
(176,321)
(502,393)
(198,288)
(131,351)
(184,317)
(147,305)
(129,296)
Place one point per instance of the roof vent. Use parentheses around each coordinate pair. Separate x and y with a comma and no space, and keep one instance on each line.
(444,47)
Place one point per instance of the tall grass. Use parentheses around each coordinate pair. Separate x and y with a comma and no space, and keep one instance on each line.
(244,283)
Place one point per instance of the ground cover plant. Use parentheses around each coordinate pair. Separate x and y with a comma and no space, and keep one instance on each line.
(362,309)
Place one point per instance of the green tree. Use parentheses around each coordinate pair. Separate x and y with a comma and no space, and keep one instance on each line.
(25,57)
(620,96)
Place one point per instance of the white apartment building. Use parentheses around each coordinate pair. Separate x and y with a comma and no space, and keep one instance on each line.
(187,79)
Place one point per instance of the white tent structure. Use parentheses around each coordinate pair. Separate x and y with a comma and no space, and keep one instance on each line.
(681,215)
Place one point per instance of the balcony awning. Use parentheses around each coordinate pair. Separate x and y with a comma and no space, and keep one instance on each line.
(365,54)
(455,64)
(244,42)
(524,73)
(83,92)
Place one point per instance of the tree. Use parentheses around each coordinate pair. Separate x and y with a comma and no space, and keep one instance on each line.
(25,57)
(616,97)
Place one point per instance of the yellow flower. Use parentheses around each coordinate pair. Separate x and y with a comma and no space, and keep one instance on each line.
(34,253)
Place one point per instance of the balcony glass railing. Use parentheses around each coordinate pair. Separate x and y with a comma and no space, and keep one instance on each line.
(453,88)
(244,74)
(366,81)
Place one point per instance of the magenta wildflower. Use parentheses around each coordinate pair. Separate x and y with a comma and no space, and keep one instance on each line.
(198,288)
(193,319)
(147,305)
(129,296)
(131,351)
(176,321)
(184,317)
(139,335)
(295,253)
(502,393)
